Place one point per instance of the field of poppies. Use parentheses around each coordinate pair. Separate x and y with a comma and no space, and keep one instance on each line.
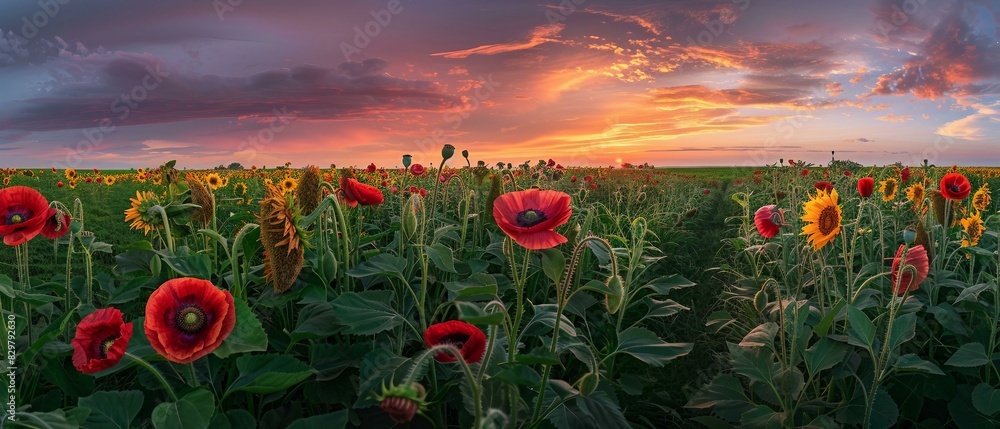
(501,296)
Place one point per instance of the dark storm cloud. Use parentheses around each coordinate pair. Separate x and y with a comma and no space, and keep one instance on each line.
(129,89)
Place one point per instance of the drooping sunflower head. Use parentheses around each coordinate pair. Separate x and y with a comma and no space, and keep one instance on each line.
(214,181)
(202,197)
(282,239)
(915,193)
(308,193)
(981,199)
(974,228)
(888,189)
(139,215)
(823,215)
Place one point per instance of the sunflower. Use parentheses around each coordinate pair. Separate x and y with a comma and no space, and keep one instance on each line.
(288,185)
(240,188)
(981,199)
(70,173)
(140,177)
(214,181)
(915,193)
(157,179)
(973,226)
(823,214)
(888,189)
(139,214)
(110,180)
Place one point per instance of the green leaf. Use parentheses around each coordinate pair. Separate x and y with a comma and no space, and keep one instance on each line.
(761,336)
(724,395)
(112,409)
(337,420)
(949,318)
(71,418)
(268,373)
(986,399)
(825,354)
(544,320)
(664,285)
(553,264)
(189,264)
(193,411)
(377,368)
(861,331)
(968,356)
(644,345)
(971,293)
(756,363)
(764,417)
(442,257)
(903,330)
(247,336)
(51,332)
(475,315)
(477,287)
(316,320)
(366,313)
(381,265)
(603,410)
(911,362)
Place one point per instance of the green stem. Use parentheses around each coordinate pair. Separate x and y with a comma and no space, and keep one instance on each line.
(192,375)
(155,373)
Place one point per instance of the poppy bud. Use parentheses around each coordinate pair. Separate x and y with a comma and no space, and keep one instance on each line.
(760,300)
(613,301)
(402,403)
(409,223)
(588,383)
(447,152)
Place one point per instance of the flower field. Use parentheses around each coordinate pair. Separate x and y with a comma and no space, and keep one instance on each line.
(501,296)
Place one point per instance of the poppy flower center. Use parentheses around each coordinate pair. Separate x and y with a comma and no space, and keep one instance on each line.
(457,340)
(105,345)
(530,218)
(954,188)
(828,220)
(190,319)
(777,218)
(18,215)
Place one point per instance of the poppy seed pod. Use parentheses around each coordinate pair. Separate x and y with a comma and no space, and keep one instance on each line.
(407,159)
(447,152)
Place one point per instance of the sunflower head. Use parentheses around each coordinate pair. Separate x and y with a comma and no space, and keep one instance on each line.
(974,228)
(823,215)
(981,199)
(288,185)
(214,181)
(915,193)
(202,197)
(888,188)
(308,193)
(240,188)
(282,238)
(140,216)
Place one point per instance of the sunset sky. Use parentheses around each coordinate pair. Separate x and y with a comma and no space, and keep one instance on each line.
(118,83)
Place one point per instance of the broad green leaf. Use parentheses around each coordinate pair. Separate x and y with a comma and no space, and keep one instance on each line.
(968,356)
(825,354)
(761,336)
(986,399)
(755,363)
(316,320)
(442,257)
(664,285)
(112,409)
(70,418)
(724,395)
(603,409)
(366,313)
(763,417)
(268,373)
(248,335)
(911,362)
(971,293)
(949,318)
(477,287)
(644,345)
(381,265)
(193,411)
(903,330)
(553,264)
(475,315)
(336,420)
(860,331)
(543,321)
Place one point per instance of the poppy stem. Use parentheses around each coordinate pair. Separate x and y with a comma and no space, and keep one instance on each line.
(192,376)
(157,374)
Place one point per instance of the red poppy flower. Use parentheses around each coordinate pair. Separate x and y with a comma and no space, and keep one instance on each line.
(706,192)
(824,186)
(470,340)
(791,162)
(955,186)
(909,280)
(187,318)
(593,186)
(847,173)
(60,184)
(588,178)
(805,172)
(529,217)
(551,162)
(22,214)
(572,179)
(417,170)
(769,220)
(356,193)
(56,224)
(100,340)
(904,174)
(371,168)
(866,185)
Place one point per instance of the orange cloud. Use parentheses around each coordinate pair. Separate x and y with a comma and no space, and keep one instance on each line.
(539,35)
